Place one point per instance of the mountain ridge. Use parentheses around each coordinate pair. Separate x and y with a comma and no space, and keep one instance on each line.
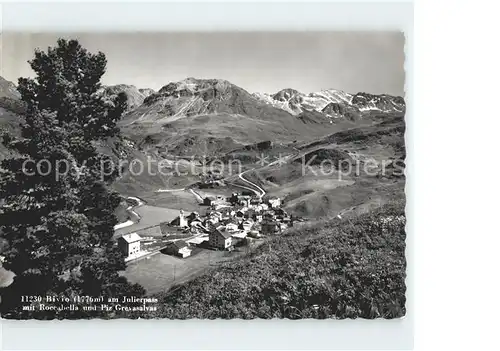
(196,114)
(296,102)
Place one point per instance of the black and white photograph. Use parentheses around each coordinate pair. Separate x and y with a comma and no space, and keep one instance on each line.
(203,175)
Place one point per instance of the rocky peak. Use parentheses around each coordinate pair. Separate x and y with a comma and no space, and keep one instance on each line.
(384,102)
(8,89)
(286,94)
(135,96)
(207,89)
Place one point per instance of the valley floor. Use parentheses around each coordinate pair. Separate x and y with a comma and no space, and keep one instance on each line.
(161,272)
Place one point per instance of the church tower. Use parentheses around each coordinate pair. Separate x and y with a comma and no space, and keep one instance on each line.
(182,219)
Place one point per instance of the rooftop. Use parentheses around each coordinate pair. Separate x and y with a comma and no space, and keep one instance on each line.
(179,244)
(226,234)
(222,230)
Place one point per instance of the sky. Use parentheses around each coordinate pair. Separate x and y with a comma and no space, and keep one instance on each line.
(371,62)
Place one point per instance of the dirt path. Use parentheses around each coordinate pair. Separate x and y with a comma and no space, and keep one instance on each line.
(261,192)
(196,195)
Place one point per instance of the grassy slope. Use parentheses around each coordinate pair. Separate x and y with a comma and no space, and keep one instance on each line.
(333,269)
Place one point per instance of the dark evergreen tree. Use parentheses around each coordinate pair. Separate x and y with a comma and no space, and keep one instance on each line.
(58,212)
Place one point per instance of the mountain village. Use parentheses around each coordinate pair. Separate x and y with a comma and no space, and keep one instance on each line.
(229,222)
(171,230)
(186,198)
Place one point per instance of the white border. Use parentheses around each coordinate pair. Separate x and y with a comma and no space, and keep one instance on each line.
(220,334)
(113,16)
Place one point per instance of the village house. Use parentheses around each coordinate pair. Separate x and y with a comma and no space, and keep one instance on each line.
(240,213)
(220,238)
(192,217)
(213,218)
(178,248)
(231,227)
(196,223)
(246,225)
(209,201)
(269,214)
(243,200)
(249,214)
(211,221)
(274,202)
(257,217)
(233,198)
(254,234)
(255,202)
(259,207)
(167,229)
(288,221)
(130,244)
(225,215)
(239,235)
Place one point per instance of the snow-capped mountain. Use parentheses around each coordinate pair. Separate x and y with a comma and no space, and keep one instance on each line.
(384,102)
(296,102)
(193,97)
(332,103)
(194,112)
(187,115)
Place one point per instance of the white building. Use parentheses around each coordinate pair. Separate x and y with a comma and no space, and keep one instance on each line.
(275,202)
(231,227)
(130,244)
(220,238)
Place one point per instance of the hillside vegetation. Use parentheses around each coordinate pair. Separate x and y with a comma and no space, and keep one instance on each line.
(332,269)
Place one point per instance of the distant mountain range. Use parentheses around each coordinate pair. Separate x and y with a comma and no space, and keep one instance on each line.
(215,118)
(192,97)
(214,115)
(332,103)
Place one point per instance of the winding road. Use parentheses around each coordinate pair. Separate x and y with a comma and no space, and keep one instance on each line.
(259,192)
(254,188)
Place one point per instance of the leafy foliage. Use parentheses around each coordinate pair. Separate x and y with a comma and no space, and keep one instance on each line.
(340,269)
(58,213)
